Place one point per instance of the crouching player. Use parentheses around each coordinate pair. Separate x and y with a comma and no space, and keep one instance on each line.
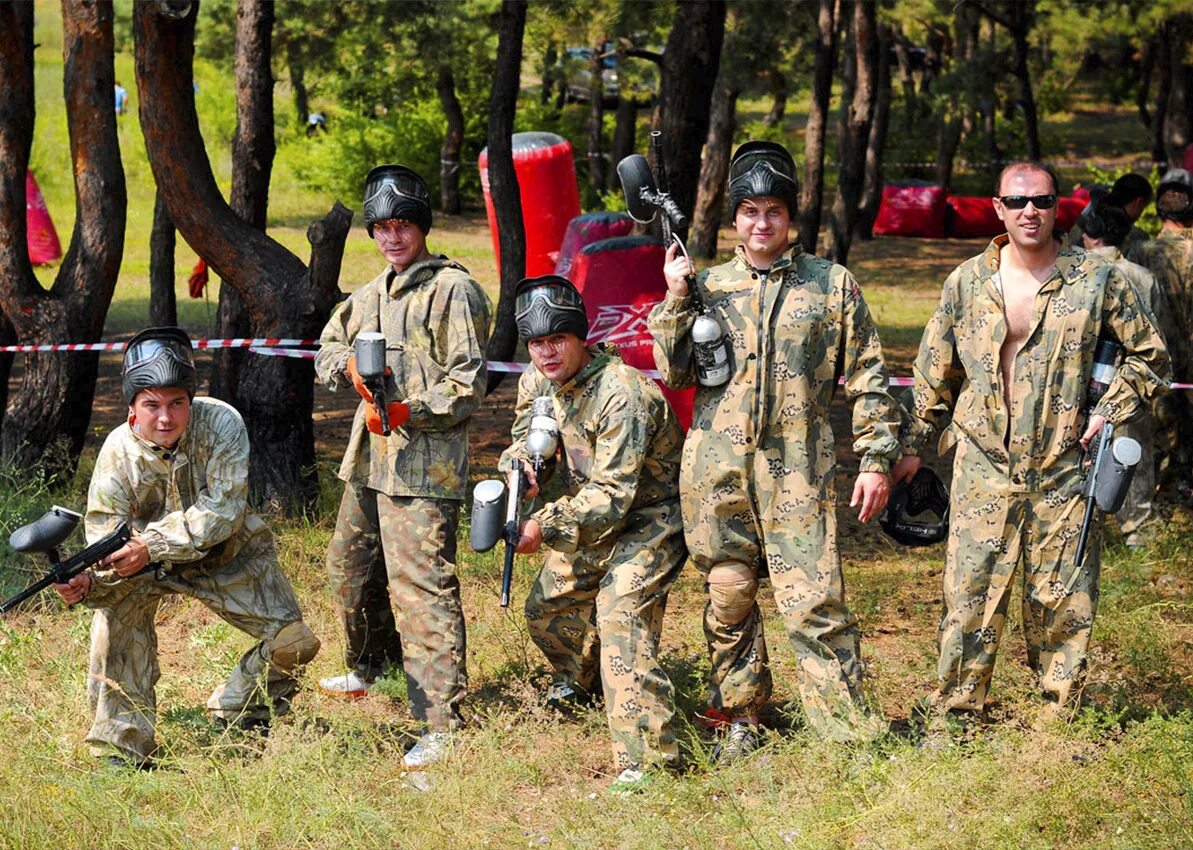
(177,472)
(616,537)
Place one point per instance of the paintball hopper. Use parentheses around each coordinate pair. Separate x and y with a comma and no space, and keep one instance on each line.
(489,499)
(925,492)
(47,532)
(1115,474)
(369,349)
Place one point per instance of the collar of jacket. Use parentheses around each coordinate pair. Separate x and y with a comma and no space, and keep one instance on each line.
(602,355)
(787,258)
(1176,233)
(1109,253)
(416,274)
(153,450)
(1064,270)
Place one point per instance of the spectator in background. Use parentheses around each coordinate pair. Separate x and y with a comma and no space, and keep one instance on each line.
(121,99)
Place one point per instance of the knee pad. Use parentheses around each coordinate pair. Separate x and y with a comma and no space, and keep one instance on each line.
(732,587)
(293,646)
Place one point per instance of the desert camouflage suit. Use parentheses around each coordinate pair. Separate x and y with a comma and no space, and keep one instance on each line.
(400,510)
(616,541)
(1137,509)
(757,479)
(1170,258)
(1016,493)
(189,506)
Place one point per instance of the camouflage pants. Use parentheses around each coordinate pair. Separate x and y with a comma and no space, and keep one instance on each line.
(992,532)
(796,519)
(1137,509)
(409,545)
(610,602)
(249,591)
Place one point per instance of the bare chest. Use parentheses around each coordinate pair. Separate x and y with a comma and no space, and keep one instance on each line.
(1019,299)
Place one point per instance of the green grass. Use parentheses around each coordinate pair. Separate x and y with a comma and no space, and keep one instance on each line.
(329,775)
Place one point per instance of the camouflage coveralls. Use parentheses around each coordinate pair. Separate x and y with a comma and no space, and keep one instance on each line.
(616,542)
(758,466)
(400,510)
(1137,509)
(188,505)
(1016,494)
(1170,258)
(1135,237)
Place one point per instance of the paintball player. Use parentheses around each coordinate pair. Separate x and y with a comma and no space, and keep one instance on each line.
(1106,228)
(615,537)
(177,472)
(1008,355)
(1130,193)
(1170,258)
(397,522)
(757,477)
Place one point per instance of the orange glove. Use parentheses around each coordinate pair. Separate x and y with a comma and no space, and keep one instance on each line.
(398,414)
(357,380)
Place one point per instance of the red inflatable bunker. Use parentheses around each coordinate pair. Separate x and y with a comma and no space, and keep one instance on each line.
(1067,210)
(40,237)
(586,229)
(911,211)
(971,217)
(621,279)
(550,198)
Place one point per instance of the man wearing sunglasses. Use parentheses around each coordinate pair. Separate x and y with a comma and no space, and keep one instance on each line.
(395,537)
(177,473)
(615,535)
(757,480)
(1008,356)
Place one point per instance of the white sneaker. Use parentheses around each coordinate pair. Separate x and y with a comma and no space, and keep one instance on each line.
(347,685)
(431,747)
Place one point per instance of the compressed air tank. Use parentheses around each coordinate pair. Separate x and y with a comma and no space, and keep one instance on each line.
(546,173)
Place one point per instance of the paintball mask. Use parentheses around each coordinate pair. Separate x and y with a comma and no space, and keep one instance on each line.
(763,169)
(158,357)
(396,192)
(548,305)
(925,492)
(1174,198)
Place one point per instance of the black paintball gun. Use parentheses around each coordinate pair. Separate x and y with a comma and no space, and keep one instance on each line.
(45,536)
(369,348)
(643,201)
(496,516)
(1110,462)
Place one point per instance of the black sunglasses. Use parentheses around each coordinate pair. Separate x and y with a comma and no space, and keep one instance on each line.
(1018,202)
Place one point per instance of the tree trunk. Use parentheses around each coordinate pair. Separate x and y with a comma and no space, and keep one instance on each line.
(812,197)
(1178,118)
(1163,88)
(163,304)
(690,64)
(876,146)
(503,182)
(8,336)
(855,128)
(550,72)
(911,102)
(283,297)
(453,141)
(778,94)
(1147,64)
(302,104)
(625,131)
(710,198)
(596,120)
(47,419)
(1023,13)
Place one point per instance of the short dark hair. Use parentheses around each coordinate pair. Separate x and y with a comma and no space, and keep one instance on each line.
(1026,165)
(1130,187)
(1108,222)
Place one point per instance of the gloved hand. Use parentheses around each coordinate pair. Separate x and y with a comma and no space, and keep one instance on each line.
(358,381)
(397,411)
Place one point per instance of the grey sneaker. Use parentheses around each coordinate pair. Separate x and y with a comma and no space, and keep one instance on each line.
(430,748)
(738,742)
(348,685)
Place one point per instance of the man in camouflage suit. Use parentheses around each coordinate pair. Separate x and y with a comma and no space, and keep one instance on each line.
(1170,258)
(1008,355)
(616,537)
(177,473)
(757,478)
(400,510)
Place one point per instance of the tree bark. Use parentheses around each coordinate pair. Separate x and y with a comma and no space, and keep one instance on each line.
(503,182)
(453,141)
(911,101)
(302,103)
(1023,14)
(690,64)
(596,120)
(855,128)
(47,418)
(812,197)
(1163,88)
(253,150)
(283,297)
(550,72)
(1178,120)
(710,197)
(876,146)
(625,131)
(778,94)
(163,303)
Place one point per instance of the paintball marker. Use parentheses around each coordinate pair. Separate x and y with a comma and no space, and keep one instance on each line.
(643,200)
(1109,463)
(491,502)
(369,349)
(45,536)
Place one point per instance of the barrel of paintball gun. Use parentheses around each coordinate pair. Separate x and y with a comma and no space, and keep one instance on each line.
(65,570)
